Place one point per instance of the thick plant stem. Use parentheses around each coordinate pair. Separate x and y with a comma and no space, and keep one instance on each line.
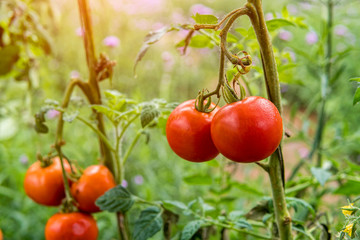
(324,84)
(94,97)
(122,224)
(93,94)
(276,165)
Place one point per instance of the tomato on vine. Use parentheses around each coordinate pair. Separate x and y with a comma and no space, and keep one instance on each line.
(188,133)
(247,131)
(92,184)
(45,184)
(74,226)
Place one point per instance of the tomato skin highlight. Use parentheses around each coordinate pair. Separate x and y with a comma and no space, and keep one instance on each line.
(71,226)
(45,185)
(94,182)
(247,131)
(188,133)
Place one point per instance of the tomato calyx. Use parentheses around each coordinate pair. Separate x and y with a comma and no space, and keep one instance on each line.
(44,161)
(68,205)
(229,93)
(203,104)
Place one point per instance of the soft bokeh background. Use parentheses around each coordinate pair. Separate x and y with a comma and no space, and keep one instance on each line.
(154,172)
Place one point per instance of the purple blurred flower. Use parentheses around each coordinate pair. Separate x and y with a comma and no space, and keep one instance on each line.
(285,35)
(138,179)
(23,159)
(142,24)
(289,56)
(201,9)
(143,6)
(305,5)
(124,183)
(178,16)
(341,30)
(292,9)
(80,32)
(74,74)
(157,26)
(292,56)
(52,113)
(269,16)
(311,38)
(168,59)
(111,41)
(284,87)
(303,152)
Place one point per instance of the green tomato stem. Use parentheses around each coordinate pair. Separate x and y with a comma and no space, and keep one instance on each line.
(276,163)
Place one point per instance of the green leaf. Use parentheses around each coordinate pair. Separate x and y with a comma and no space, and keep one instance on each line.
(204,206)
(232,38)
(247,188)
(242,31)
(51,102)
(242,223)
(174,206)
(149,112)
(9,56)
(198,180)
(349,188)
(295,202)
(266,217)
(205,19)
(263,207)
(321,175)
(251,33)
(234,215)
(299,228)
(148,224)
(190,229)
(69,117)
(356,96)
(151,38)
(275,24)
(200,41)
(285,12)
(342,235)
(356,79)
(117,199)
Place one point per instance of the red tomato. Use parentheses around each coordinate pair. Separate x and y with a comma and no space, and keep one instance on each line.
(94,182)
(188,133)
(71,226)
(1,235)
(45,185)
(247,131)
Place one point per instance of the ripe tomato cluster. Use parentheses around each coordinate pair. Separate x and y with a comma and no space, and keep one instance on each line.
(246,131)
(45,185)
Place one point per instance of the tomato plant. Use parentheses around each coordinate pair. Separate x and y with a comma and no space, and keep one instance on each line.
(188,133)
(247,131)
(75,226)
(45,185)
(94,182)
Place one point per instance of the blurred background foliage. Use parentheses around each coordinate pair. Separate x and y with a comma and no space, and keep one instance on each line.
(41,48)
